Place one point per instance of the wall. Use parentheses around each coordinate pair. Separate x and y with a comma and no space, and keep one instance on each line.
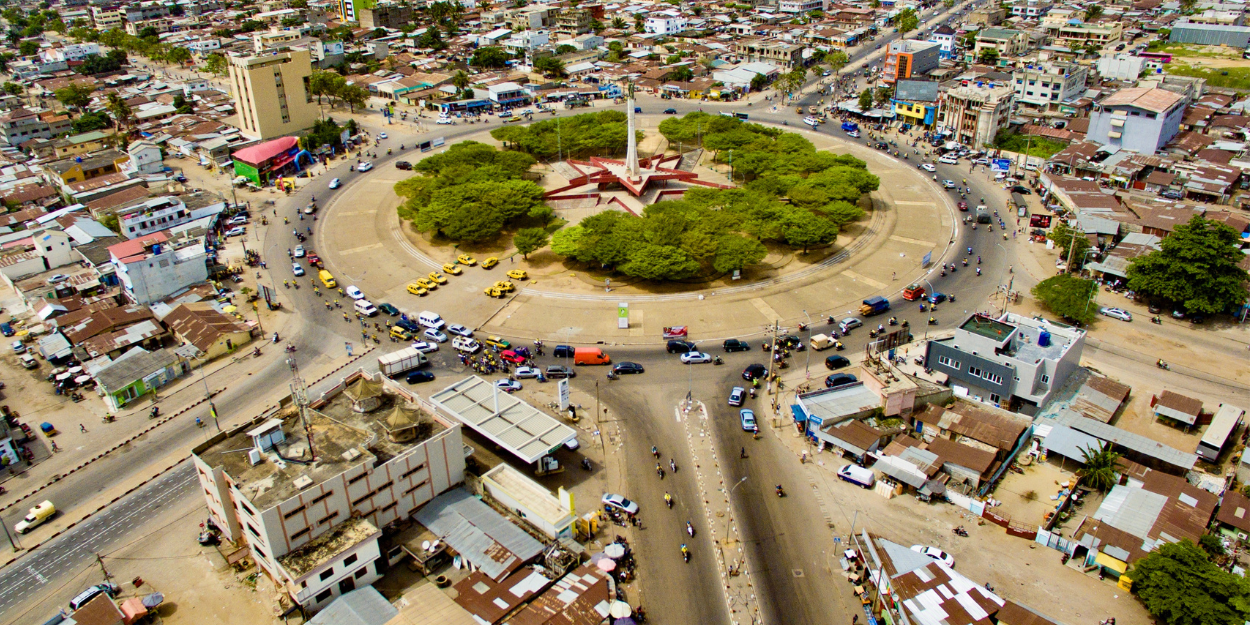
(155,278)
(361,563)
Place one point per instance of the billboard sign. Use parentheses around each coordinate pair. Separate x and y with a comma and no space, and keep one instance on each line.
(1000,164)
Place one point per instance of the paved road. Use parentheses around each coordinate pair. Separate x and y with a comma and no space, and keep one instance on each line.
(42,574)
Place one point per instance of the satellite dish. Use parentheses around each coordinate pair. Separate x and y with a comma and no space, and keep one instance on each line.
(425,545)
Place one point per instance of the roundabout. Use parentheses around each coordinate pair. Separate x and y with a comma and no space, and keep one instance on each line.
(366,244)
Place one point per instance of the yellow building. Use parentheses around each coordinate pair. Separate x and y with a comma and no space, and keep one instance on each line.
(271,93)
(105,18)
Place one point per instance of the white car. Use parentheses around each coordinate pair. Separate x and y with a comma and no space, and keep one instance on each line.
(19,347)
(982,161)
(238,220)
(459,330)
(949,160)
(354,293)
(366,166)
(1116,313)
(236,232)
(298,252)
(444,120)
(336,183)
(948,184)
(424,347)
(936,554)
(619,502)
(297,270)
(523,373)
(366,308)
(508,386)
(811,121)
(928,167)
(381,135)
(434,335)
(692,358)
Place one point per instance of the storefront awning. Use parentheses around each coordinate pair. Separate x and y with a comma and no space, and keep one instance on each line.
(1109,562)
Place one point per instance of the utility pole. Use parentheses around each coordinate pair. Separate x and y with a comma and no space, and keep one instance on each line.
(212,409)
(100,560)
(16,546)
(300,393)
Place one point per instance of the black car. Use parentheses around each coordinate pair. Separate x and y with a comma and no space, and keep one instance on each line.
(404,165)
(388,309)
(627,367)
(557,371)
(839,379)
(1022,190)
(419,376)
(670,111)
(563,351)
(680,347)
(836,362)
(733,345)
(754,372)
(790,342)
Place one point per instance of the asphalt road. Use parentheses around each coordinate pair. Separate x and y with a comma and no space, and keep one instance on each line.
(42,574)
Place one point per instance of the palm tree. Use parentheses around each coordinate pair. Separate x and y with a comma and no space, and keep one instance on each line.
(1093,12)
(618,23)
(460,80)
(1100,471)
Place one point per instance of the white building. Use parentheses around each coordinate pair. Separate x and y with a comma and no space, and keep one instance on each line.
(801,6)
(309,506)
(507,94)
(203,45)
(152,268)
(69,52)
(1047,85)
(145,159)
(1121,66)
(158,213)
(944,36)
(52,249)
(665,23)
(528,40)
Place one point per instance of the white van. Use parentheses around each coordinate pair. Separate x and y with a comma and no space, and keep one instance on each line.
(949,159)
(465,344)
(858,475)
(365,308)
(431,320)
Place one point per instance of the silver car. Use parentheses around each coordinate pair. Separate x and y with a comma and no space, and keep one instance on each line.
(1116,313)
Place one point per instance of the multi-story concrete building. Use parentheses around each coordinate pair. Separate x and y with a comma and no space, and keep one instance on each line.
(159,24)
(575,20)
(393,16)
(1080,34)
(916,102)
(152,268)
(910,58)
(141,11)
(778,53)
(507,94)
(1121,66)
(1008,42)
(308,489)
(528,18)
(1138,119)
(665,23)
(801,6)
(70,52)
(1047,85)
(987,17)
(1013,361)
(1031,9)
(976,113)
(271,93)
(158,213)
(944,36)
(21,125)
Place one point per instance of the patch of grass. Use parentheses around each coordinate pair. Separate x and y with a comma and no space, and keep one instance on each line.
(1227,77)
(1030,496)
(1041,147)
(1188,50)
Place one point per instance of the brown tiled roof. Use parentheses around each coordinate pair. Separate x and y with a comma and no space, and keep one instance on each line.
(1218,157)
(1188,511)
(1235,511)
(113,200)
(1157,176)
(1179,403)
(856,433)
(978,460)
(1191,142)
(103,321)
(1016,614)
(201,325)
(1229,121)
(1157,100)
(913,584)
(987,426)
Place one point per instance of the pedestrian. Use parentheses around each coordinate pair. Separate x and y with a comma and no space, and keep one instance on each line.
(83,428)
(893,275)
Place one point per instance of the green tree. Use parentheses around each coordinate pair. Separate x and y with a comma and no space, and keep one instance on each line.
(1196,268)
(1211,544)
(758,82)
(74,95)
(28,48)
(988,56)
(1179,585)
(182,106)
(489,56)
(565,48)
(683,74)
(1067,296)
(527,240)
(13,88)
(618,23)
(460,80)
(178,55)
(865,99)
(550,66)
(735,252)
(119,109)
(1064,237)
(215,64)
(355,96)
(92,120)
(659,262)
(111,222)
(837,60)
(907,21)
(1093,12)
(1100,469)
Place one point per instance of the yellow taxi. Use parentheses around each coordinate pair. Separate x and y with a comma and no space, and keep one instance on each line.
(518,274)
(497,342)
(493,291)
(417,289)
(451,268)
(490,262)
(465,259)
(400,333)
(426,284)
(437,277)
(505,286)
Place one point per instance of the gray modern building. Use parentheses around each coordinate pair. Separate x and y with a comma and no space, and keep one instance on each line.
(1210,34)
(1013,361)
(1137,119)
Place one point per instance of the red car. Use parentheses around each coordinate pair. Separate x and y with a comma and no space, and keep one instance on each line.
(963,206)
(511,356)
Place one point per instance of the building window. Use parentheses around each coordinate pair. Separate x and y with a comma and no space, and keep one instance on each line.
(995,398)
(350,560)
(326,574)
(293,512)
(328,518)
(247,509)
(1045,379)
(412,470)
(253,530)
(322,497)
(300,533)
(364,570)
(357,478)
(325,595)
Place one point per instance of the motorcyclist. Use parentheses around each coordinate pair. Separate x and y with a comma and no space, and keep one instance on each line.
(668,499)
(780,491)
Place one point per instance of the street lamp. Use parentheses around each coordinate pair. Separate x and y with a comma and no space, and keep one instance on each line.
(926,321)
(729,517)
(807,367)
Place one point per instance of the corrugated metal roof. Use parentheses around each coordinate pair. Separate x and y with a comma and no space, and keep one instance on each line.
(363,606)
(1135,442)
(1070,443)
(522,429)
(483,536)
(1132,510)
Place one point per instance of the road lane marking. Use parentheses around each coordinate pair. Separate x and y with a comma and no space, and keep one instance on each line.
(865,279)
(354,213)
(895,237)
(914,203)
(363,248)
(765,309)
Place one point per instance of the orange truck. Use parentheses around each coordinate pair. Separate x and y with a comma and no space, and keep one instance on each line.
(590,356)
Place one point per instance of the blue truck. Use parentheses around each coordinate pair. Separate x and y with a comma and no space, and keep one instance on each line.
(850,127)
(874,306)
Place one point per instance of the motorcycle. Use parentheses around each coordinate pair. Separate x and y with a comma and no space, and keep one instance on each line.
(1163,365)
(717,361)
(780,491)
(1156,320)
(612,375)
(668,501)
(685,553)
(960,531)
(156,412)
(932,321)
(689,529)
(108,418)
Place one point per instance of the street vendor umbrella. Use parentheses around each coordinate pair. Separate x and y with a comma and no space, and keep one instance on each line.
(624,621)
(620,609)
(153,600)
(229,309)
(614,550)
(606,565)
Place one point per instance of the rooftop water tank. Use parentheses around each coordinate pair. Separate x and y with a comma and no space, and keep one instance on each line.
(1043,339)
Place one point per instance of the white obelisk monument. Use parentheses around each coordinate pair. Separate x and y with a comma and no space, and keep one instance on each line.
(631,152)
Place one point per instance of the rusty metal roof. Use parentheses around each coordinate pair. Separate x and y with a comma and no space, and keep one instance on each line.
(579,598)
